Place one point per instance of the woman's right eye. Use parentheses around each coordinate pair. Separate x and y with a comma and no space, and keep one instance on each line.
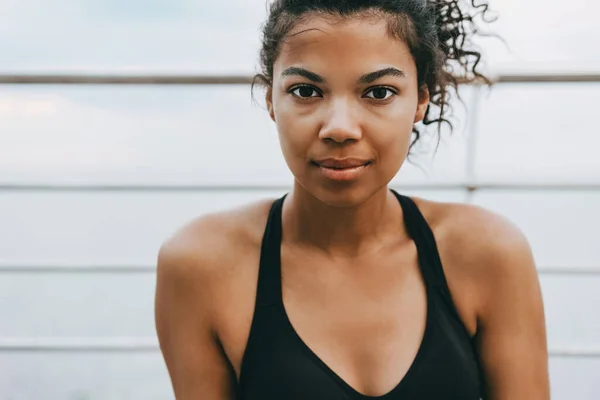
(305,92)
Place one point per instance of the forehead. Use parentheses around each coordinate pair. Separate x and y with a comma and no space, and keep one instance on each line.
(358,42)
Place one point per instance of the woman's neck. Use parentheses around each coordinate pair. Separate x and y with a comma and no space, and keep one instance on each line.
(342,231)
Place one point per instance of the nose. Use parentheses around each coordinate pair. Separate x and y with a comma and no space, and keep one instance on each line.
(341,123)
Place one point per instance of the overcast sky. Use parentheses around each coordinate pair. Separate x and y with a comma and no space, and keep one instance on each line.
(223,35)
(527,132)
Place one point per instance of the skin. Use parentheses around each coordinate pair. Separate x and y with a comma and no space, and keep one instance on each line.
(344,260)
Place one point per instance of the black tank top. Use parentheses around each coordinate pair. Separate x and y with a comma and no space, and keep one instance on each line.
(277,364)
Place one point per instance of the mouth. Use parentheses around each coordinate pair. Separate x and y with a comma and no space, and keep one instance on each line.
(342,163)
(342,170)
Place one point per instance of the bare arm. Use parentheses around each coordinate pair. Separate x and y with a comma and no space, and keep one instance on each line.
(184,316)
(511,327)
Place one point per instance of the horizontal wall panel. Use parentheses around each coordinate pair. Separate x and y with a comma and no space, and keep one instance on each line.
(577,379)
(560,226)
(209,135)
(63,305)
(539,133)
(110,228)
(571,304)
(127,228)
(88,305)
(81,376)
(144,377)
(90,228)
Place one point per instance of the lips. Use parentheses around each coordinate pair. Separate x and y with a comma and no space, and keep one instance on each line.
(342,163)
(342,169)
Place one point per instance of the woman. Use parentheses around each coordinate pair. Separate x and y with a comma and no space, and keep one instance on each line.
(344,289)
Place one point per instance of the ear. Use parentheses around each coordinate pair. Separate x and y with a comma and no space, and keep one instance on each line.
(422,104)
(269,101)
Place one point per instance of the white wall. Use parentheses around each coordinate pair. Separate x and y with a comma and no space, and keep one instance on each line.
(84,135)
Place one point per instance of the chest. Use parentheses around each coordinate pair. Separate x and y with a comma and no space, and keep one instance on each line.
(364,322)
(364,319)
(348,339)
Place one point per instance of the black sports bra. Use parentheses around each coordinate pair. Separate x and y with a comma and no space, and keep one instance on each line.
(277,364)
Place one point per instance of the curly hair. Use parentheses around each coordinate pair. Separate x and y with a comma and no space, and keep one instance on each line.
(438,34)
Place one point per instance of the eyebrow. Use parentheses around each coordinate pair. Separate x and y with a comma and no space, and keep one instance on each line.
(297,71)
(373,76)
(365,79)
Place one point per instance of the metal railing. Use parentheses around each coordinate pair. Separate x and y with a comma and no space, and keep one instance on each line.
(157,187)
(148,344)
(173,79)
(150,269)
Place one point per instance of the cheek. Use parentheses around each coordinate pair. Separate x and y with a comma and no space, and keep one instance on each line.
(392,133)
(296,133)
(391,151)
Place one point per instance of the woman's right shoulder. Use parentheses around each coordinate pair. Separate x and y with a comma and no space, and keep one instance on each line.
(212,246)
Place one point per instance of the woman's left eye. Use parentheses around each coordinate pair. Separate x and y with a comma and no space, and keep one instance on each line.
(380,93)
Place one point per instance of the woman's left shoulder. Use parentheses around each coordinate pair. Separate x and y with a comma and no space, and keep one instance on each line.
(472,230)
(482,251)
(475,235)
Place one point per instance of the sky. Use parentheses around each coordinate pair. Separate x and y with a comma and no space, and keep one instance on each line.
(187,35)
(543,127)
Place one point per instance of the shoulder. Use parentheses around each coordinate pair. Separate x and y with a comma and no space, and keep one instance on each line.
(474,233)
(208,252)
(210,234)
(494,283)
(482,251)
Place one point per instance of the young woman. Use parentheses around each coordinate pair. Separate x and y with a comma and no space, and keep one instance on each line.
(343,288)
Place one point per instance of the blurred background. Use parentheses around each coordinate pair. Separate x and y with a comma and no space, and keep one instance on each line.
(93,177)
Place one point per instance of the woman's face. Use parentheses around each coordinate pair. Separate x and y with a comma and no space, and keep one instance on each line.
(344,99)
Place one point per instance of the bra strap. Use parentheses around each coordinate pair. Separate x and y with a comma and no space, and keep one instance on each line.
(268,291)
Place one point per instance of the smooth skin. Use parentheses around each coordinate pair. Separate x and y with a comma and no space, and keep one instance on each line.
(351,281)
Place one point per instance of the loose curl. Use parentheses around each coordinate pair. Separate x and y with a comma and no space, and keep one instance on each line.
(438,34)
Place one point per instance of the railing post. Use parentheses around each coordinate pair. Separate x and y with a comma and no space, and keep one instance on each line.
(472,133)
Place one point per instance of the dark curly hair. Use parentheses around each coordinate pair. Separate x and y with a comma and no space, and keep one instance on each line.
(437,32)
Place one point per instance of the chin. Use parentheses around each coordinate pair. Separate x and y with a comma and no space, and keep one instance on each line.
(342,196)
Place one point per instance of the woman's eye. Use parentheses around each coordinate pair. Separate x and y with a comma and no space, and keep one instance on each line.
(380,93)
(305,92)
